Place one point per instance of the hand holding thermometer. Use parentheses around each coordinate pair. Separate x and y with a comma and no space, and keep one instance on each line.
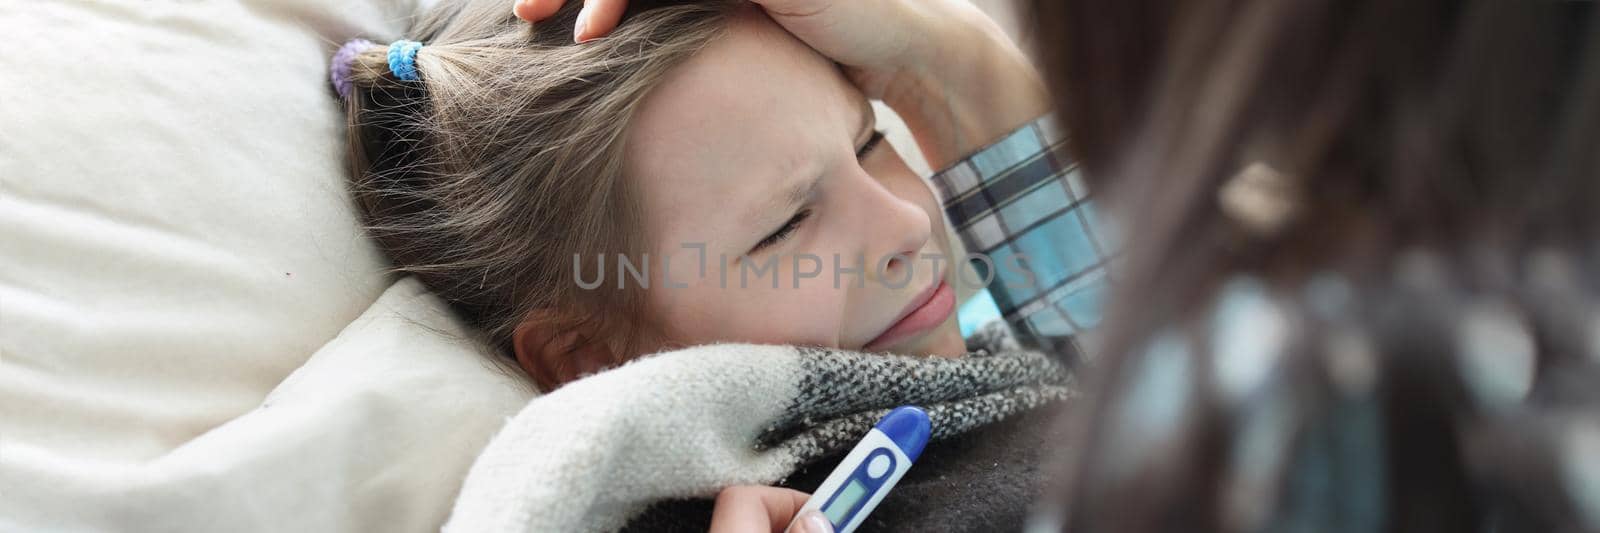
(871,469)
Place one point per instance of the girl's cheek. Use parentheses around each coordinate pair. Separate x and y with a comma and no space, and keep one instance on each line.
(813,314)
(755,313)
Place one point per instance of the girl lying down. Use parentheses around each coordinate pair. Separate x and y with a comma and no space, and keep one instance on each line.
(704,186)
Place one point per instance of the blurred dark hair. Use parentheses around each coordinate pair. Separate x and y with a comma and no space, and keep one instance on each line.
(1370,128)
(1432,123)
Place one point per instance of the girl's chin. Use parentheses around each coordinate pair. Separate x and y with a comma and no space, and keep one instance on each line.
(950,343)
(945,341)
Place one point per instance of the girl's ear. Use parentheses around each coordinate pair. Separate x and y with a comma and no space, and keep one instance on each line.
(553,356)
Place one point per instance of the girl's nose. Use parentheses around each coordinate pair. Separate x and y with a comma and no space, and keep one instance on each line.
(899,228)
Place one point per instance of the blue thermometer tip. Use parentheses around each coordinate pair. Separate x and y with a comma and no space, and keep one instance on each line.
(908,427)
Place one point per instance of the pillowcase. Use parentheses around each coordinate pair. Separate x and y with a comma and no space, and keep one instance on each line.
(375,432)
(178,240)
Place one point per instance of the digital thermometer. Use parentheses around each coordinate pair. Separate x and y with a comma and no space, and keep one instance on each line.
(872,468)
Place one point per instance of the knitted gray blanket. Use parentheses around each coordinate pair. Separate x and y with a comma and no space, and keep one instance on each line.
(685,424)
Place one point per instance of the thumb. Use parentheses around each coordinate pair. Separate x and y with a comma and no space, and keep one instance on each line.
(811,522)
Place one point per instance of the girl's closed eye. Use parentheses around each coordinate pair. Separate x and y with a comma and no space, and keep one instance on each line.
(794,222)
(783,232)
(871,144)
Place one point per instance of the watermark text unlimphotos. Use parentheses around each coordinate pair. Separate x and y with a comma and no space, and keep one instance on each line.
(744,271)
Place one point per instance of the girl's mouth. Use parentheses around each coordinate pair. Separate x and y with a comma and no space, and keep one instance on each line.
(924,313)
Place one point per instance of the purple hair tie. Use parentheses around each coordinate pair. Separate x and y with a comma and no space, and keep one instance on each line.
(339,71)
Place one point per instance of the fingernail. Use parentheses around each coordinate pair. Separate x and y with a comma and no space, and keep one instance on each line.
(583,23)
(813,522)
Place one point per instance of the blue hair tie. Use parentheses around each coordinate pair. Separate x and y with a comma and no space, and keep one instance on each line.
(403,60)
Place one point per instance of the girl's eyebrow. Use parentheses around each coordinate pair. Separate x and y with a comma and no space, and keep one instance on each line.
(785,202)
(801,193)
(805,191)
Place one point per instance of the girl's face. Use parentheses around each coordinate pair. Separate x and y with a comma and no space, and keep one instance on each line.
(759,166)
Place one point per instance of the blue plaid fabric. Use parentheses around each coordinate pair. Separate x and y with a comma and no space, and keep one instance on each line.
(1023,199)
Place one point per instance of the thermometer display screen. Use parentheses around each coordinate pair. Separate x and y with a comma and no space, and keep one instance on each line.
(847,500)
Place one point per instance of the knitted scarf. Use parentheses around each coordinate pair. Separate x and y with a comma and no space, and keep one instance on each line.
(685,424)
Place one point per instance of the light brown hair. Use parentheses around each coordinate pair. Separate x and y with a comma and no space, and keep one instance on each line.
(487,178)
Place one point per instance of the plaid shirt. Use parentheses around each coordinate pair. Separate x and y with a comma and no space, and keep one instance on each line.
(1022,201)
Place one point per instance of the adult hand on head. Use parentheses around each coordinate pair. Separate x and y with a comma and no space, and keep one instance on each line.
(945,67)
(750,509)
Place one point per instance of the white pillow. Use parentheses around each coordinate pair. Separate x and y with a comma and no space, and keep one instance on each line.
(177,241)
(374,433)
